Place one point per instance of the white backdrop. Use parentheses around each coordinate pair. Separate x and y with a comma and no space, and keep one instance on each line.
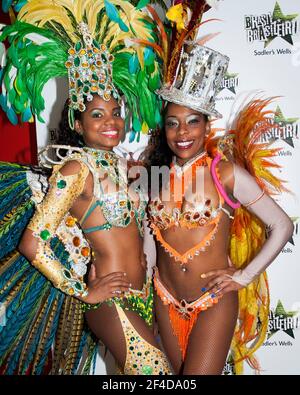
(264,51)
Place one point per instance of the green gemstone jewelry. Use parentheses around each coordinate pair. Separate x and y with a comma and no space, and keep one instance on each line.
(61,184)
(45,234)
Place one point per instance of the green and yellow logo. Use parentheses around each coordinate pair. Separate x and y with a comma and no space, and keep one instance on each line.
(230,82)
(285,129)
(267,27)
(282,320)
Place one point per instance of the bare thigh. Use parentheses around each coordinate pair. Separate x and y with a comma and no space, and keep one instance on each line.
(105,324)
(211,336)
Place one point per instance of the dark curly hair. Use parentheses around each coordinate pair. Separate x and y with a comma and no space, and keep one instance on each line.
(158,152)
(67,136)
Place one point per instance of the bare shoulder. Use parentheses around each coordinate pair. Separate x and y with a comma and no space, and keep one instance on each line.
(71,167)
(226,174)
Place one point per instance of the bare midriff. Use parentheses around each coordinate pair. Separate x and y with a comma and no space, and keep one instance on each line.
(118,249)
(187,284)
(182,277)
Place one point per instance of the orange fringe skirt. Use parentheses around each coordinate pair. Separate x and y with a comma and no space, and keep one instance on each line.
(182,314)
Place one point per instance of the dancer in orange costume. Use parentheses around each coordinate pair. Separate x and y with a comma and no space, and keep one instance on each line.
(211,290)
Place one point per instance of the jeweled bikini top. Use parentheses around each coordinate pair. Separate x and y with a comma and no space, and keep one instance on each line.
(117,207)
(203,214)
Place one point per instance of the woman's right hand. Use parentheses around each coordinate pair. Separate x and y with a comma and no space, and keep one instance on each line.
(100,289)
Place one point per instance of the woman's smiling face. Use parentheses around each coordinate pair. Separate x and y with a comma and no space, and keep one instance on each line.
(185,131)
(101,124)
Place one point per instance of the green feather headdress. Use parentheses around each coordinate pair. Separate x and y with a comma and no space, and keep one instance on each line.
(39,45)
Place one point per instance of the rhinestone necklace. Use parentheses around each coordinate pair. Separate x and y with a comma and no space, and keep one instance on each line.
(109,162)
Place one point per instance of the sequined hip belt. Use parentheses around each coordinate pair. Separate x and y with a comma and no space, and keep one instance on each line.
(182,314)
(139,301)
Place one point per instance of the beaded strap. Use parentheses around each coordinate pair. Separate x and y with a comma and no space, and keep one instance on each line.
(90,306)
(61,277)
(46,223)
(255,200)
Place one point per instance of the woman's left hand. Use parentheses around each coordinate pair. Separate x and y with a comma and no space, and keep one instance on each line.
(221,281)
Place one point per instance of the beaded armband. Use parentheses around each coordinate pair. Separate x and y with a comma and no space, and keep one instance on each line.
(49,220)
(63,191)
(255,200)
(60,276)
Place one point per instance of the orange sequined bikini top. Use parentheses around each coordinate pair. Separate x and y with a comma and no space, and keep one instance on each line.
(202,215)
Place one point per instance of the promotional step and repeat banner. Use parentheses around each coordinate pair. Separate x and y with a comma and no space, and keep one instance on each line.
(262,40)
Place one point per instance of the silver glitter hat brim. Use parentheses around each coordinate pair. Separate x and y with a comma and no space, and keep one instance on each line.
(174,95)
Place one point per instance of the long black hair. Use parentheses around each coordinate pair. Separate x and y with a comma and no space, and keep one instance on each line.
(158,152)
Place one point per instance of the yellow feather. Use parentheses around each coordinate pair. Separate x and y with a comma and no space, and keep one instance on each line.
(126,7)
(176,14)
(39,12)
(247,236)
(145,128)
(116,34)
(92,10)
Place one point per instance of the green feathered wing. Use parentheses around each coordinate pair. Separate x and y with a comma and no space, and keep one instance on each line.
(42,330)
(38,50)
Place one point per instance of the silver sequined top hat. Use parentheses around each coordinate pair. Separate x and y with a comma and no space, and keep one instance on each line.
(198,78)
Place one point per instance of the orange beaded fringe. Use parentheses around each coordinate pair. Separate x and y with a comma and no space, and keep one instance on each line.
(182,314)
(182,326)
